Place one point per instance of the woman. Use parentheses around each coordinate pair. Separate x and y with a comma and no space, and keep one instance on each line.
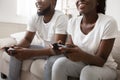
(91,39)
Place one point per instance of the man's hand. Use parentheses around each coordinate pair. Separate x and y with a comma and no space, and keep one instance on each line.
(55,47)
(18,52)
(22,53)
(10,50)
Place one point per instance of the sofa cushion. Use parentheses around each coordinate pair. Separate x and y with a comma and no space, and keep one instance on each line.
(26,63)
(6,42)
(116,50)
(1,52)
(37,68)
(20,35)
(6,57)
(118,74)
(13,40)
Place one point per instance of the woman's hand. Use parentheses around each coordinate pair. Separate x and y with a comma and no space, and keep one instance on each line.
(72,52)
(55,47)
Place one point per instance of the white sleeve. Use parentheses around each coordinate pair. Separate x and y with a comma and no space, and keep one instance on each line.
(111,30)
(31,26)
(69,28)
(61,24)
(72,26)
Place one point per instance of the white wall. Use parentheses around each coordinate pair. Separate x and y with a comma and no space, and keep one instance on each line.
(8,12)
(9,28)
(113,9)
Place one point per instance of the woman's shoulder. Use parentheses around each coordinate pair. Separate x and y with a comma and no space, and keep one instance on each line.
(108,22)
(106,18)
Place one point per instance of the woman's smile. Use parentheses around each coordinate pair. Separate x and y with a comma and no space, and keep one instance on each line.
(82,5)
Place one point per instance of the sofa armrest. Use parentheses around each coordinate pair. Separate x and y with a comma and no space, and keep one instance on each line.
(20,35)
(6,42)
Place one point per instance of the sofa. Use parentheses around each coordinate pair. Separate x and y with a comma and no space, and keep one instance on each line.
(26,67)
(34,69)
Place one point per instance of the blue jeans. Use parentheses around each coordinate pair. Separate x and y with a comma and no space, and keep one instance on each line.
(14,69)
(15,66)
(48,66)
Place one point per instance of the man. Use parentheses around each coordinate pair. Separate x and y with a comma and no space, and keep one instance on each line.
(49,25)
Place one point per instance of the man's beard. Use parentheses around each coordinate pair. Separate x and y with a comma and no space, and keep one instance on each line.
(44,12)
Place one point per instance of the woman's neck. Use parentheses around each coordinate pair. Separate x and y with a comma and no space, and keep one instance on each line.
(90,18)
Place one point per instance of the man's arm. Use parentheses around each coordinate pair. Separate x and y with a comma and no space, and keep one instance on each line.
(61,37)
(37,52)
(26,41)
(69,40)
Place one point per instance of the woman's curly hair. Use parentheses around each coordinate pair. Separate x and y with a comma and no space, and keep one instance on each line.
(101,7)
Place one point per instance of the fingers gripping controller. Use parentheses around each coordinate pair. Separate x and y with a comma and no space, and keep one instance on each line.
(57,45)
(10,51)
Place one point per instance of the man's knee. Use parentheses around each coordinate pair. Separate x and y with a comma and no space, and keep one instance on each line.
(51,61)
(15,63)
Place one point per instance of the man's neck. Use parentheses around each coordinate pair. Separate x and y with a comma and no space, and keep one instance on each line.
(48,16)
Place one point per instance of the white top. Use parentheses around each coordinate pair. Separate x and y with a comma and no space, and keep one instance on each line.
(46,31)
(105,28)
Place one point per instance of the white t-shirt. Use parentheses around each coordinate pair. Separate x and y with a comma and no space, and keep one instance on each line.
(46,31)
(105,28)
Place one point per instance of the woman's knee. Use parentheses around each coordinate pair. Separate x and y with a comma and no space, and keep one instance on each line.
(88,73)
(59,65)
(59,69)
(97,73)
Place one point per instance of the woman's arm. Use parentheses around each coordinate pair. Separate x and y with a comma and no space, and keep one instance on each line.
(60,37)
(100,57)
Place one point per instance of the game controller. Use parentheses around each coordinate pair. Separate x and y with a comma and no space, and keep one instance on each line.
(11,50)
(6,49)
(57,45)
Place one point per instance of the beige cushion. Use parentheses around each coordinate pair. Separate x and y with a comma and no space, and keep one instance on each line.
(116,50)
(6,57)
(118,74)
(25,75)
(37,68)
(26,64)
(6,42)
(1,52)
(20,35)
(9,41)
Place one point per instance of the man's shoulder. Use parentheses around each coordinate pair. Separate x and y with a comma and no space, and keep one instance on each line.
(59,13)
(59,16)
